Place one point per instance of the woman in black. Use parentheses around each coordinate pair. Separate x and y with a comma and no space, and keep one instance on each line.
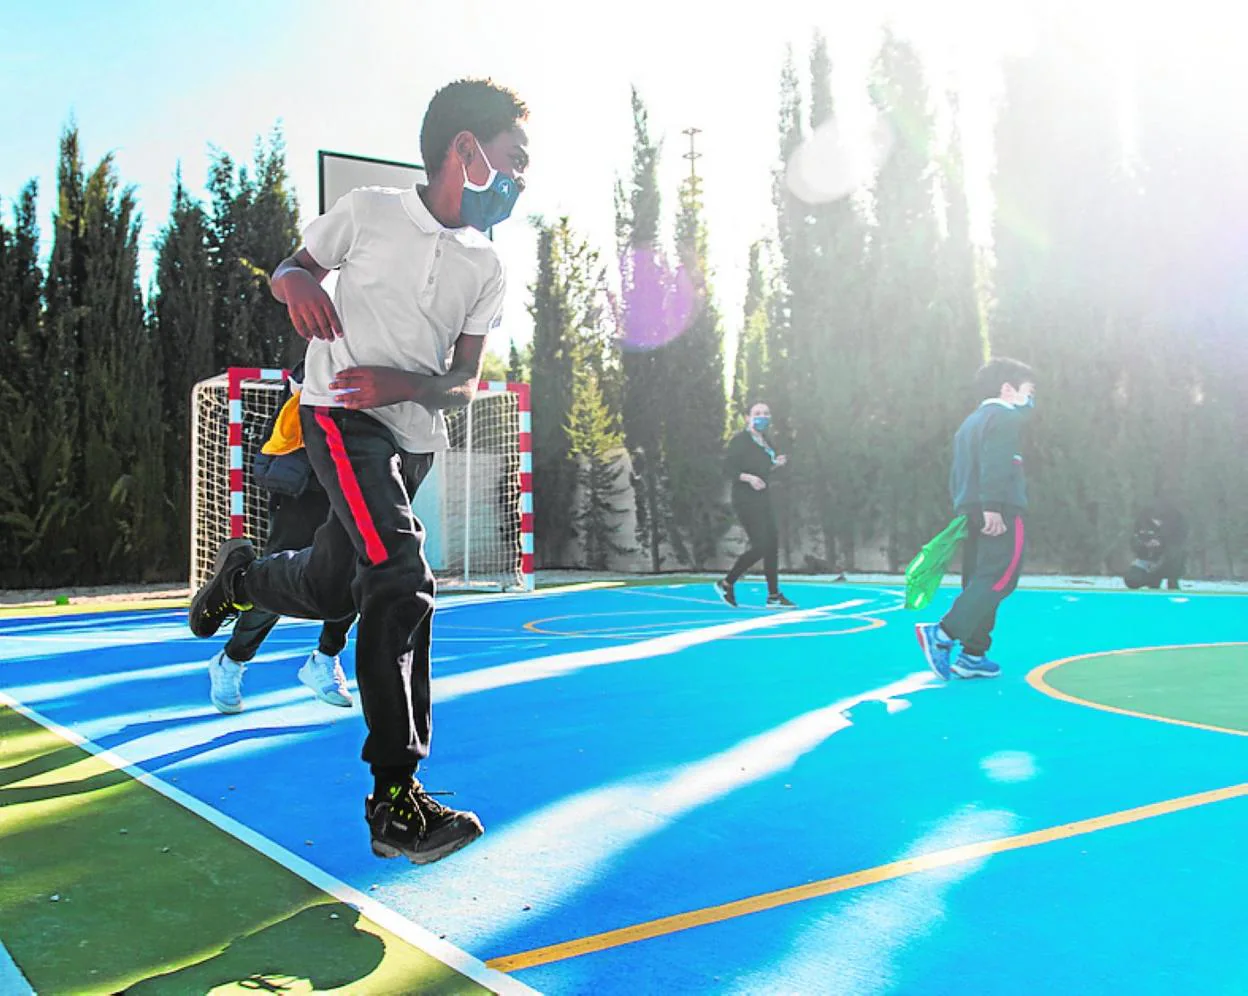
(750,462)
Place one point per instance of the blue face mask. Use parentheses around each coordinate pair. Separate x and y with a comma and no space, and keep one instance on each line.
(761,423)
(486,205)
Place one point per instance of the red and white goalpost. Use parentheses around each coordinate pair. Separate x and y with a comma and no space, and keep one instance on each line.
(476,504)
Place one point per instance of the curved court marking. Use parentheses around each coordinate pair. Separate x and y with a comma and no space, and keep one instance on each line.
(853,880)
(718,603)
(869,616)
(383,916)
(1036,678)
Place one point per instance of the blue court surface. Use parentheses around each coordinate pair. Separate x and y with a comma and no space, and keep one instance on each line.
(682,797)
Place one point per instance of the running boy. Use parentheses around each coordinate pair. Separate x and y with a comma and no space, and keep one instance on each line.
(988,487)
(419,286)
(297,507)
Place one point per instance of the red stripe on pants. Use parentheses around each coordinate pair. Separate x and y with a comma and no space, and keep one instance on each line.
(1018,555)
(373,547)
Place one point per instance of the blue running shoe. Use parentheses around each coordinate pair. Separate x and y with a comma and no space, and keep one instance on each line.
(936,650)
(967,666)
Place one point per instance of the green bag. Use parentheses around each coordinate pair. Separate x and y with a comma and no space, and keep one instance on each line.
(925,572)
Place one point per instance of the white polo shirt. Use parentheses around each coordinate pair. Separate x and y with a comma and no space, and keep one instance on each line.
(408,287)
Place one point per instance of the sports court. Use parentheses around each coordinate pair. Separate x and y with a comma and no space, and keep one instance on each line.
(678,797)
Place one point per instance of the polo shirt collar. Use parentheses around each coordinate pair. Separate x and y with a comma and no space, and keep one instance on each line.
(423,218)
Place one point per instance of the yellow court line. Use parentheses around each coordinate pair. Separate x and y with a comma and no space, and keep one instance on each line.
(1036,678)
(854,880)
(713,602)
(20,611)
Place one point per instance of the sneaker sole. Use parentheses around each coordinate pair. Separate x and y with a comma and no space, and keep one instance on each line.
(964,673)
(383,850)
(732,602)
(218,565)
(227,710)
(927,654)
(324,696)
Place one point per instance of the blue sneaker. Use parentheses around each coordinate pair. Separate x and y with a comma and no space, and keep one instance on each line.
(936,650)
(967,666)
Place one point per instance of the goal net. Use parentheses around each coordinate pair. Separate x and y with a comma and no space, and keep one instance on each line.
(476,504)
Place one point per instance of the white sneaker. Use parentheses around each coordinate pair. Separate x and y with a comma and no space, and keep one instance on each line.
(226,677)
(324,676)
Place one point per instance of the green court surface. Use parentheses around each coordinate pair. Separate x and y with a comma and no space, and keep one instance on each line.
(1203,686)
(90,860)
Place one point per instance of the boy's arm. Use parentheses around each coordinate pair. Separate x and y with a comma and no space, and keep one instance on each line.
(376,387)
(301,262)
(297,284)
(297,280)
(999,446)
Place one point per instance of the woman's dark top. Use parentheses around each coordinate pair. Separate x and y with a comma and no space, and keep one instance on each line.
(745,456)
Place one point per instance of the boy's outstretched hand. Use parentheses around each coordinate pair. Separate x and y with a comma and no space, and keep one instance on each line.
(994,524)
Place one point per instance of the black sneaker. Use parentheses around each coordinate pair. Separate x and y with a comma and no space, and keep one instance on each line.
(778,601)
(724,590)
(216,602)
(413,824)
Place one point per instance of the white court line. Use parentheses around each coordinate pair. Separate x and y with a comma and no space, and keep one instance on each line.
(50,624)
(416,935)
(138,635)
(519,639)
(555,665)
(94,683)
(453,601)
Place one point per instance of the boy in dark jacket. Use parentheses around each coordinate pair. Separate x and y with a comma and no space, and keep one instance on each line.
(987,485)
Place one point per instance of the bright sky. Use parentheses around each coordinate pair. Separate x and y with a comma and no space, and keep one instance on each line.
(157,83)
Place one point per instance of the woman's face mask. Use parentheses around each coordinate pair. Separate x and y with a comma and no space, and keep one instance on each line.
(761,423)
